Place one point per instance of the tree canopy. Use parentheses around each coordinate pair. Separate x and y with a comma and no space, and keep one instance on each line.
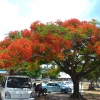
(72,44)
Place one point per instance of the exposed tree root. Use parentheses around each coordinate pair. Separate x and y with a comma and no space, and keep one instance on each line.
(77,96)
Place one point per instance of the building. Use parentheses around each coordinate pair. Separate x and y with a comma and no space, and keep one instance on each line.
(63,76)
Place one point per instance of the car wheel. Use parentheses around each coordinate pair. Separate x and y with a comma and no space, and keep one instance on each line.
(63,91)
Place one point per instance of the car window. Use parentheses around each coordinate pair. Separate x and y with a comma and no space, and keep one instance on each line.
(51,84)
(67,83)
(19,82)
(56,84)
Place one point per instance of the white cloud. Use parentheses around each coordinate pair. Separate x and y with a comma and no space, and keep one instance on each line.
(44,10)
(8,16)
(51,10)
(10,19)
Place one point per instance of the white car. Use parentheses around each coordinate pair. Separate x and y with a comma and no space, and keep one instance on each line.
(16,87)
(70,84)
(67,83)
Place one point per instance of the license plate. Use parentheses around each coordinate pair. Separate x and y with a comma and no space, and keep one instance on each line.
(20,99)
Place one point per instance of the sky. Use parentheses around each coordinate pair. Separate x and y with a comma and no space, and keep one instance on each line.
(20,14)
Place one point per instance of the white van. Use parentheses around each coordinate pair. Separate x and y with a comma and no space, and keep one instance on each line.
(16,87)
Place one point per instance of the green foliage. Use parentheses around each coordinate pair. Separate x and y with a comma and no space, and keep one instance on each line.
(1,78)
(67,36)
(31,73)
(53,76)
(83,36)
(44,75)
(53,29)
(79,68)
(94,75)
(16,35)
(52,72)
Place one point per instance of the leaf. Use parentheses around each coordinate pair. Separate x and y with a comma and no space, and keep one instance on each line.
(67,36)
(79,68)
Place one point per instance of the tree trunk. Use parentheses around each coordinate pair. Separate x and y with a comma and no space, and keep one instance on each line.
(76,94)
(10,72)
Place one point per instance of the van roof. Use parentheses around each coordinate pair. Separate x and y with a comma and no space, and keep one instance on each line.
(16,76)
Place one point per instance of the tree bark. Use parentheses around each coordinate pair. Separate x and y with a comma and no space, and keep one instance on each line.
(10,72)
(76,93)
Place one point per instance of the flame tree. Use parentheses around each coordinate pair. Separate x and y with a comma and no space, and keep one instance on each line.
(73,45)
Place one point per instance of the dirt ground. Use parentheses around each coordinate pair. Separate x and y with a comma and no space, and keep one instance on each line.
(89,95)
(92,94)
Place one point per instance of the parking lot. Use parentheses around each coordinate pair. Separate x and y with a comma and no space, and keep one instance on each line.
(59,96)
(53,96)
(50,96)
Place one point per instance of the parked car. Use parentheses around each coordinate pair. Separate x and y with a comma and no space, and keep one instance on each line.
(68,83)
(17,87)
(56,87)
(46,79)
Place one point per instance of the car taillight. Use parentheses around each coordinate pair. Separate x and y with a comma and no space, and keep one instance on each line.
(7,95)
(32,95)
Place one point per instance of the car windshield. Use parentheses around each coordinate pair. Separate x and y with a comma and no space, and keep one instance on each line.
(19,82)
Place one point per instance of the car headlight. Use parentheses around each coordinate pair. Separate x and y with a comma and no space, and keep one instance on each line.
(32,95)
(7,95)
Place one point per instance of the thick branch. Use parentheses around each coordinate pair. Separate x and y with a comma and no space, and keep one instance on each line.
(89,69)
(62,66)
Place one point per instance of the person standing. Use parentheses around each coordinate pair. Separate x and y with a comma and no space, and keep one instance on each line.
(40,90)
